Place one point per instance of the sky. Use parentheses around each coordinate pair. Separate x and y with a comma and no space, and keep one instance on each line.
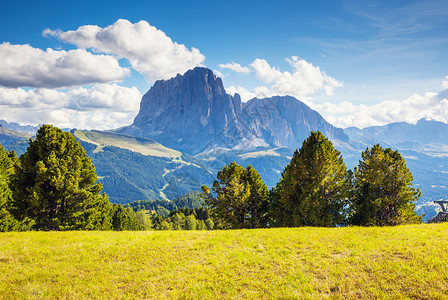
(86,64)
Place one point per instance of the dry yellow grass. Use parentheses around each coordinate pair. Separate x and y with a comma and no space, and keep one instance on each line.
(290,263)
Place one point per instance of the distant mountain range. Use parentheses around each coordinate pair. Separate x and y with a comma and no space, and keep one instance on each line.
(188,128)
(19,128)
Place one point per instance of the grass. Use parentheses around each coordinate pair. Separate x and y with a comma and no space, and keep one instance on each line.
(140,145)
(290,263)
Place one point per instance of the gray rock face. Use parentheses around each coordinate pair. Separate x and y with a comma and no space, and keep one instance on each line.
(286,121)
(190,113)
(193,113)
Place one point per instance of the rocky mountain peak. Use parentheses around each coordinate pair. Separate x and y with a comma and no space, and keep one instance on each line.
(193,113)
(189,112)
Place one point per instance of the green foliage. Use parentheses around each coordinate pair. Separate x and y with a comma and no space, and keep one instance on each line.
(7,220)
(191,223)
(55,185)
(143,220)
(242,198)
(184,219)
(130,176)
(124,218)
(163,207)
(313,188)
(383,192)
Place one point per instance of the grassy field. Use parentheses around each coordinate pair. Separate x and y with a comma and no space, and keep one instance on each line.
(306,263)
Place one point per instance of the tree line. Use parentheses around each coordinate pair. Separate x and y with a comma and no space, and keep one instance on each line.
(53,186)
(316,189)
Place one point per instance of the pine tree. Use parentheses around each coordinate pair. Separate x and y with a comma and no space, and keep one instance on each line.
(7,220)
(178,221)
(312,190)
(383,192)
(241,197)
(55,185)
(191,223)
(209,224)
(124,218)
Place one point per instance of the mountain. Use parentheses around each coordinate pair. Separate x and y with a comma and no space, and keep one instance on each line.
(143,146)
(190,113)
(193,113)
(404,135)
(135,168)
(286,121)
(13,140)
(31,130)
(188,128)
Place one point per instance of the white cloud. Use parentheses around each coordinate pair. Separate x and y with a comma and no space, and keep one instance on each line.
(105,96)
(235,67)
(410,110)
(264,71)
(305,79)
(244,94)
(445,83)
(25,66)
(149,50)
(102,106)
(218,73)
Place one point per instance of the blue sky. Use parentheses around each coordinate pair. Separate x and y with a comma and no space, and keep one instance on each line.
(358,63)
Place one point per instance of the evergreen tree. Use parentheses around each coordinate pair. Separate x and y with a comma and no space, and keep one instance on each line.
(209,224)
(201,225)
(124,218)
(7,220)
(143,220)
(178,221)
(55,185)
(165,226)
(383,192)
(191,223)
(258,202)
(241,197)
(312,190)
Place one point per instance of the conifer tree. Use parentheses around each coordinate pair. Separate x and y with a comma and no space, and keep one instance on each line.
(242,197)
(312,190)
(55,185)
(383,192)
(124,218)
(191,223)
(7,220)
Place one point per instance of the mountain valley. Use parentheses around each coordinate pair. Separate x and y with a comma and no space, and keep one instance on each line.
(188,128)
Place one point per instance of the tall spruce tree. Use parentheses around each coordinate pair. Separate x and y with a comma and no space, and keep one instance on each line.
(383,192)
(312,190)
(55,185)
(242,197)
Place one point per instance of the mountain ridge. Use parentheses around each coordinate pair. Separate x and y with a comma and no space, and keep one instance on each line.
(193,113)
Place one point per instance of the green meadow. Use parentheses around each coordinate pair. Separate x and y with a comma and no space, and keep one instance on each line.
(402,262)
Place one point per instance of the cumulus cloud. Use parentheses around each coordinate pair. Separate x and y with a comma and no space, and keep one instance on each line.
(445,83)
(235,67)
(410,110)
(218,73)
(244,94)
(102,106)
(149,50)
(304,80)
(25,66)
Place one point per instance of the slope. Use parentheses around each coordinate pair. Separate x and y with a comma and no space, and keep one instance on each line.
(133,168)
